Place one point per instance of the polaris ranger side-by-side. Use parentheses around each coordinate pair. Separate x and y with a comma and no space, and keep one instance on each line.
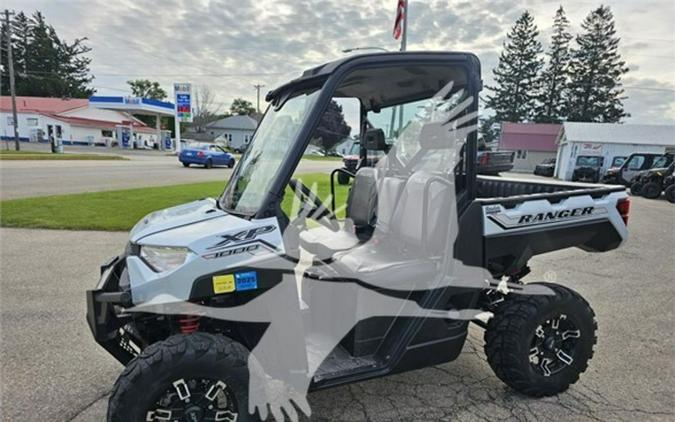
(420,213)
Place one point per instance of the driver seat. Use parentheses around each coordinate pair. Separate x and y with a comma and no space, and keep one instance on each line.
(361,209)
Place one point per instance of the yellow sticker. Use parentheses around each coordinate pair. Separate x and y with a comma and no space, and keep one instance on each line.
(223,283)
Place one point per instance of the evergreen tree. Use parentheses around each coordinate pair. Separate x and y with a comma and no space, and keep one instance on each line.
(513,98)
(45,65)
(595,89)
(554,79)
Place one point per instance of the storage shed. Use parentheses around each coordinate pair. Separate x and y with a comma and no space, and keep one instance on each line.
(611,141)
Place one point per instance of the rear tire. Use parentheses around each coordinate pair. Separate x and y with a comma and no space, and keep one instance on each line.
(670,194)
(635,189)
(209,164)
(152,375)
(523,323)
(651,190)
(231,163)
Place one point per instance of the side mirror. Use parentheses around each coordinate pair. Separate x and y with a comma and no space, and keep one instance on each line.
(374,140)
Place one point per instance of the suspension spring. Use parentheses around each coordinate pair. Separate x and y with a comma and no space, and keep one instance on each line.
(188,324)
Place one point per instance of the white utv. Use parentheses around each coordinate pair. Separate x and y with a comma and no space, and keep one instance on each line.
(427,246)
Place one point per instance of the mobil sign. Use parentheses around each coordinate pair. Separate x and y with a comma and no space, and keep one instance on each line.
(183,97)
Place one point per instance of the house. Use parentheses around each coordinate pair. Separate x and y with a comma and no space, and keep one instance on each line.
(237,131)
(74,121)
(531,142)
(612,141)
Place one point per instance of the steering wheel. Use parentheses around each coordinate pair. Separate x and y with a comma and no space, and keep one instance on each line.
(317,210)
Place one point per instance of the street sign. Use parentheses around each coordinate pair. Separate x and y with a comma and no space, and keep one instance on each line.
(183,98)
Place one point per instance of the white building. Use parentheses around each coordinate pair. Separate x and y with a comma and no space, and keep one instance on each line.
(237,131)
(73,121)
(610,141)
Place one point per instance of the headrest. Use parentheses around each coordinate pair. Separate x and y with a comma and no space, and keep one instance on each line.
(435,136)
(374,140)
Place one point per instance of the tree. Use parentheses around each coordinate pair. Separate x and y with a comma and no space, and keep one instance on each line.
(514,96)
(46,65)
(147,89)
(205,108)
(488,129)
(332,128)
(554,79)
(595,89)
(241,106)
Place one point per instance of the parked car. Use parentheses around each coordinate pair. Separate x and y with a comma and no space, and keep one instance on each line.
(207,155)
(635,163)
(588,168)
(546,168)
(650,183)
(494,162)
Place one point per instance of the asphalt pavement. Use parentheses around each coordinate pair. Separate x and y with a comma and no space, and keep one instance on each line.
(53,371)
(25,178)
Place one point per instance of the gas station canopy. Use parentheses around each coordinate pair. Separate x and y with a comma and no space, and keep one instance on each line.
(134,105)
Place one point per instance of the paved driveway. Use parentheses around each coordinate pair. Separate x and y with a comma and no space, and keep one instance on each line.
(52,370)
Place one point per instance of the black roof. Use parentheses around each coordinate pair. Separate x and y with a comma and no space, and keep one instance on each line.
(320,73)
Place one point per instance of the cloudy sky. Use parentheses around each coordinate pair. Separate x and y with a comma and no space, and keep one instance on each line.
(230,45)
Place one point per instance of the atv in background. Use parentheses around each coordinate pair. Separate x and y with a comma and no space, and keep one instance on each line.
(588,168)
(650,183)
(634,164)
(669,187)
(652,177)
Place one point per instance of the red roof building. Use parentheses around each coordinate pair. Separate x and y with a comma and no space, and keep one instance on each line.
(532,143)
(72,120)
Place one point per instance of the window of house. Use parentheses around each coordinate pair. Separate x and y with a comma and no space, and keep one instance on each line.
(106,133)
(32,121)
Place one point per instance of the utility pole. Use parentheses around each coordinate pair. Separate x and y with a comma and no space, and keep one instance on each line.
(257,88)
(12,88)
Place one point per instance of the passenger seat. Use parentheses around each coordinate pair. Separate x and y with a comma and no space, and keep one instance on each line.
(361,209)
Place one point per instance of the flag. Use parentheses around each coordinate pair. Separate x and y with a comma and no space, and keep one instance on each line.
(400,15)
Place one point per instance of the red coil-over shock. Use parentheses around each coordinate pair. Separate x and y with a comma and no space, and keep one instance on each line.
(188,324)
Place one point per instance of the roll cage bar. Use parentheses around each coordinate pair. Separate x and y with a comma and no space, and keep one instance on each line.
(331,75)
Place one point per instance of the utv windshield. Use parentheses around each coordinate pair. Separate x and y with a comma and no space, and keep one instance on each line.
(586,161)
(275,136)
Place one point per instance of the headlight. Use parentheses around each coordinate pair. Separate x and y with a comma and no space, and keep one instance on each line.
(164,258)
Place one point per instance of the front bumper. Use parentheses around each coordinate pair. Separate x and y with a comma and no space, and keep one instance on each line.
(103,311)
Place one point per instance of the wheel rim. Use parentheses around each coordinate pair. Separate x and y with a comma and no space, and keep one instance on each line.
(195,400)
(553,345)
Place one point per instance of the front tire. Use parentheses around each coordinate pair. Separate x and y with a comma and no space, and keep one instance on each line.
(186,164)
(209,164)
(651,190)
(231,163)
(158,383)
(635,189)
(540,344)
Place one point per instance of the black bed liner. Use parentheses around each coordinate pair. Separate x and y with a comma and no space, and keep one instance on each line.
(511,192)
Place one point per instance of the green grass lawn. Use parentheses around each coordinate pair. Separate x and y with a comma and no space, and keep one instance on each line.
(119,210)
(320,158)
(38,155)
